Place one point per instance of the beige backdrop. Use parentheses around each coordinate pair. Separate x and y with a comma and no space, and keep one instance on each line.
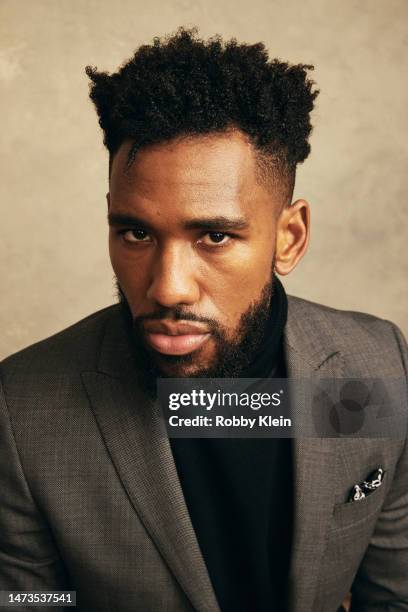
(54,262)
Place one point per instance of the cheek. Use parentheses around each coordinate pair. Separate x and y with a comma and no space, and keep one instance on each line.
(131,276)
(118,263)
(236,281)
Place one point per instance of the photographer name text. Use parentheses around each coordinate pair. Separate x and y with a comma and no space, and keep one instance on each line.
(234,421)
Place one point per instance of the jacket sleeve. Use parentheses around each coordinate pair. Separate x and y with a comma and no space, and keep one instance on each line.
(381,583)
(29,559)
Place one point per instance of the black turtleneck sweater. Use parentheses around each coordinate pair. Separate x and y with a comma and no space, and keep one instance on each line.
(239,495)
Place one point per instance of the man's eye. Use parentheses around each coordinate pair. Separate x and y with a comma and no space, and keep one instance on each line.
(215,239)
(135,235)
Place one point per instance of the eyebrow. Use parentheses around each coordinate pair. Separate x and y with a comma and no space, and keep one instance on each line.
(209,223)
(115,219)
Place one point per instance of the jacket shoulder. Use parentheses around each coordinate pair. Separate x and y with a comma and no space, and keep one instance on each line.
(352,332)
(75,347)
(329,315)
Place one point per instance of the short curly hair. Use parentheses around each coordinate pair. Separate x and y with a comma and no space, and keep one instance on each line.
(182,86)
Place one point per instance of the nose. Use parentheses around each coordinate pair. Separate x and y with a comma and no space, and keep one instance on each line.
(173,279)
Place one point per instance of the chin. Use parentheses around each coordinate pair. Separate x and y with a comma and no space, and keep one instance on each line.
(182,370)
(182,366)
(195,364)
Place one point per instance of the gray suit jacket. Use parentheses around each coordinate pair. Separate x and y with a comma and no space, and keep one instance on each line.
(90,498)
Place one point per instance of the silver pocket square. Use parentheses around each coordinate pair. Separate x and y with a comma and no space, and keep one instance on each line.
(374,480)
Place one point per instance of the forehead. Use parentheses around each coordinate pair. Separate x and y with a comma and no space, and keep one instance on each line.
(203,171)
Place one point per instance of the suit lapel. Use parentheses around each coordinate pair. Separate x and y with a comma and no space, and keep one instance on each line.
(313,460)
(132,430)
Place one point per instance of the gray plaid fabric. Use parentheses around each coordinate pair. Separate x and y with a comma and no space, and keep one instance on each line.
(90,499)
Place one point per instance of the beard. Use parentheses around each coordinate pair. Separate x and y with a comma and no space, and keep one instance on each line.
(232,355)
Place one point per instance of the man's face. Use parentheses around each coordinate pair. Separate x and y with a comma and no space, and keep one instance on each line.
(192,240)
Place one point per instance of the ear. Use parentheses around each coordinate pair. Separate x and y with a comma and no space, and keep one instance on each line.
(292,236)
(108,200)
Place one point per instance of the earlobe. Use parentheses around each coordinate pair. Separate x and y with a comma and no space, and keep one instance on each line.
(292,236)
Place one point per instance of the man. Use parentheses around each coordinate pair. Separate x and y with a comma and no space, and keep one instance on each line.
(203,139)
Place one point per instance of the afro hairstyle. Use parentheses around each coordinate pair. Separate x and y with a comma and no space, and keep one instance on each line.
(181,86)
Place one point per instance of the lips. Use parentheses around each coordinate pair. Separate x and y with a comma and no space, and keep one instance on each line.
(175,337)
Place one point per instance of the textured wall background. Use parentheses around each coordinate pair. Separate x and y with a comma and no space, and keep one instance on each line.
(54,261)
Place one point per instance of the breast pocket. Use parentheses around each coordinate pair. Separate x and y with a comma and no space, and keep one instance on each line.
(353,513)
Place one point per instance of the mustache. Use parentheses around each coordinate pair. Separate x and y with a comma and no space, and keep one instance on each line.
(176,314)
